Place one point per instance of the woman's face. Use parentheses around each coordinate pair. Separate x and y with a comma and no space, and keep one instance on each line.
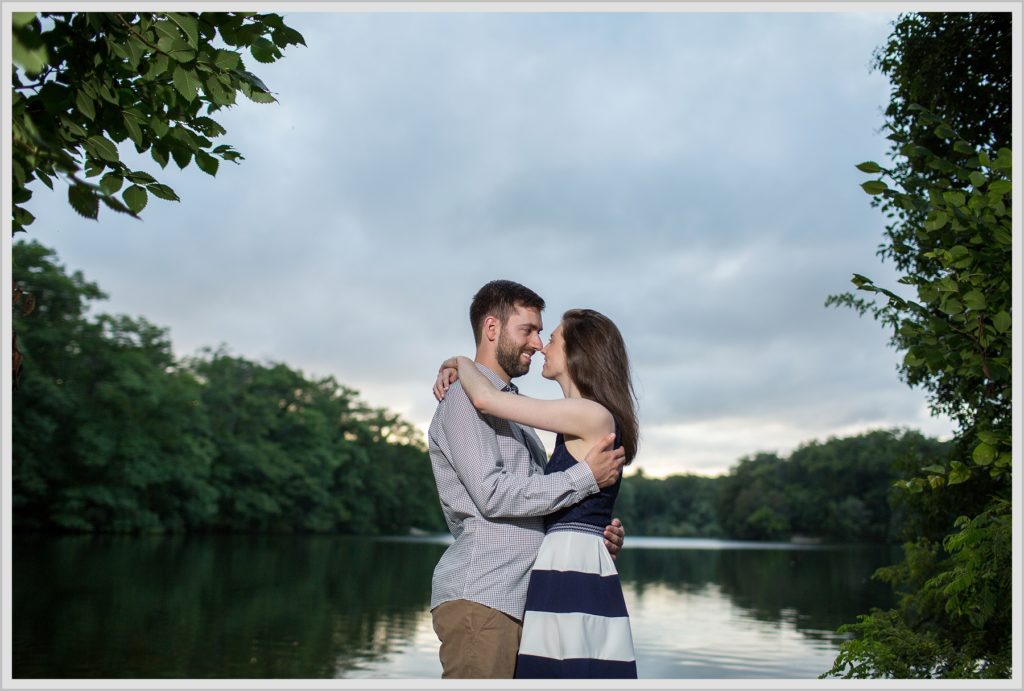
(554,355)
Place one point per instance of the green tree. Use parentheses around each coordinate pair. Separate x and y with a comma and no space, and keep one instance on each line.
(956,64)
(113,434)
(107,432)
(952,238)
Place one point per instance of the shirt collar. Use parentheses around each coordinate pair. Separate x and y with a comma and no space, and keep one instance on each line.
(495,379)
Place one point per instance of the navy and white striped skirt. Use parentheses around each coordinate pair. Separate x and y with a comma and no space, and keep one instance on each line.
(576,625)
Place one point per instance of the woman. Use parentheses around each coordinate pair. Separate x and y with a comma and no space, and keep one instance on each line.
(576,624)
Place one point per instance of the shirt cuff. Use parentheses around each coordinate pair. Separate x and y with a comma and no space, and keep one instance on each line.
(582,479)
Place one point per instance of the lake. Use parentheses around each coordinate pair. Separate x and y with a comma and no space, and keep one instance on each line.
(320,607)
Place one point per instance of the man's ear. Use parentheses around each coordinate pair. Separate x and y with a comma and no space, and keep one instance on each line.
(491,328)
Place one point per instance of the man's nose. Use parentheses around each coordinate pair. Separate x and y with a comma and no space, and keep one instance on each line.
(536,343)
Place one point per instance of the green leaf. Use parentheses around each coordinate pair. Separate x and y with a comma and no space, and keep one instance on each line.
(934,469)
(160,154)
(1000,187)
(111,182)
(163,192)
(975,300)
(85,105)
(181,155)
(136,198)
(84,201)
(208,126)
(22,217)
(117,47)
(959,473)
(115,204)
(874,187)
(938,220)
(951,306)
(869,167)
(20,19)
(32,60)
(136,51)
(134,131)
(264,50)
(207,163)
(259,96)
(140,177)
(107,95)
(1002,321)
(227,59)
(157,66)
(159,125)
(984,454)
(166,29)
(977,179)
(954,198)
(73,127)
(1004,160)
(962,147)
(944,132)
(989,437)
(216,92)
(189,25)
(186,82)
(21,195)
(101,147)
(180,51)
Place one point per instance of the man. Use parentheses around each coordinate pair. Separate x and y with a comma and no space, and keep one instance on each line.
(494,494)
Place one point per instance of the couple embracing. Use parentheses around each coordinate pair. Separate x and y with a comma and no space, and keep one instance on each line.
(529,587)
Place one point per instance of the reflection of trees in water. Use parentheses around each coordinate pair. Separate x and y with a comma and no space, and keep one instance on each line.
(814,590)
(213,606)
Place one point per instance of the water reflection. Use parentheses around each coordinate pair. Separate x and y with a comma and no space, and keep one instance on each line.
(816,588)
(328,606)
(224,606)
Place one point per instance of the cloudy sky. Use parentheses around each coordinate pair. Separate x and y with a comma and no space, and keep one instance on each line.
(691,175)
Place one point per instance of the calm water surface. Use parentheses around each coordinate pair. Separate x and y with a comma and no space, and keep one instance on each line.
(332,606)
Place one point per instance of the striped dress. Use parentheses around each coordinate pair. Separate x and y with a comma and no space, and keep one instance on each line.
(576,625)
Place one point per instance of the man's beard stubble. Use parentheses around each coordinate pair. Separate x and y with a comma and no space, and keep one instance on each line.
(507,356)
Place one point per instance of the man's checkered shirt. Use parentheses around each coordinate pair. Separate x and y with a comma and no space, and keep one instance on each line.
(494,495)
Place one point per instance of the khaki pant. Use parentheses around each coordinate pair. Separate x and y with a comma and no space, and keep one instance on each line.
(477,642)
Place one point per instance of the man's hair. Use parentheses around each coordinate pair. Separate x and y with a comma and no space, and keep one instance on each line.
(500,298)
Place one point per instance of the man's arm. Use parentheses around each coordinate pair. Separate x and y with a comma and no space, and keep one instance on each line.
(497,493)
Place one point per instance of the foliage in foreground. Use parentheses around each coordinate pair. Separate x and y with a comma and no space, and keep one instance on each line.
(85,82)
(951,201)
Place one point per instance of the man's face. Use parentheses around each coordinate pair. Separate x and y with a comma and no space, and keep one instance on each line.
(519,340)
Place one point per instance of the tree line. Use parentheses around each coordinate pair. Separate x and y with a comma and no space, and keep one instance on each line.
(112,433)
(839,490)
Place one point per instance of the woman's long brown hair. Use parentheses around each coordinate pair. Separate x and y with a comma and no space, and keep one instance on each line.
(596,357)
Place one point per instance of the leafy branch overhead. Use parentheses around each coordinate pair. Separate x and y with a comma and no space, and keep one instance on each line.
(84,83)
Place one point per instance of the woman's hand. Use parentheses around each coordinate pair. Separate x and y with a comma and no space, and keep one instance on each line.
(446,375)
